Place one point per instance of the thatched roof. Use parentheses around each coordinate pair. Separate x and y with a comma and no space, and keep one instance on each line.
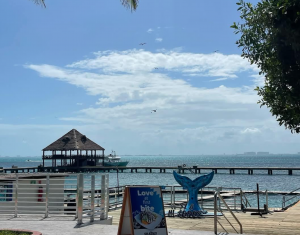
(73,140)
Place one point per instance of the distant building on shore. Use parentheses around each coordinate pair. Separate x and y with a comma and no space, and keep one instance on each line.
(249,153)
(263,153)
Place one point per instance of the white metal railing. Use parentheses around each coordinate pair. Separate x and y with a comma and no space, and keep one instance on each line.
(290,198)
(54,195)
(175,196)
(218,199)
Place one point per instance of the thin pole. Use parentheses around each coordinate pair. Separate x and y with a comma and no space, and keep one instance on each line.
(92,198)
(16,196)
(80,198)
(257,187)
(215,213)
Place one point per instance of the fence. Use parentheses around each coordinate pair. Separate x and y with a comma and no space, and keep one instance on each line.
(233,223)
(54,195)
(291,198)
(174,196)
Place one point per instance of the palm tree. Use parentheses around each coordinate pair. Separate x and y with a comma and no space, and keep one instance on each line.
(132,4)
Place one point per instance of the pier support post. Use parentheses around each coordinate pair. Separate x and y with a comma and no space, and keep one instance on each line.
(290,172)
(131,170)
(216,171)
(135,170)
(270,172)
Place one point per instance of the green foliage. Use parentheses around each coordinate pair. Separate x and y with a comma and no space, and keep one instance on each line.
(132,4)
(7,232)
(270,38)
(40,2)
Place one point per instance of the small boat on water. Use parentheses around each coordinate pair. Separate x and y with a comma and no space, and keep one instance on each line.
(114,160)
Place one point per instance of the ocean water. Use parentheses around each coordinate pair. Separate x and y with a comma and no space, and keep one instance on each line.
(279,181)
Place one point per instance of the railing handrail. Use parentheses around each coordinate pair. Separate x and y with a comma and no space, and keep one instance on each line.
(292,192)
(217,194)
(284,200)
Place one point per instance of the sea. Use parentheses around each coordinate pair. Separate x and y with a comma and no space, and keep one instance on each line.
(279,181)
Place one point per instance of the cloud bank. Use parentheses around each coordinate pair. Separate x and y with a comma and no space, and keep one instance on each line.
(129,84)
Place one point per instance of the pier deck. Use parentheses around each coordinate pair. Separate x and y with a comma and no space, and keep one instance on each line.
(277,223)
(157,169)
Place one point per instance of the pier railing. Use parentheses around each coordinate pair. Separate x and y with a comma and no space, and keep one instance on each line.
(174,196)
(73,195)
(290,198)
(234,223)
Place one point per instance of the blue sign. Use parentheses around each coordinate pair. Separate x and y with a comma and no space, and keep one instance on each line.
(148,215)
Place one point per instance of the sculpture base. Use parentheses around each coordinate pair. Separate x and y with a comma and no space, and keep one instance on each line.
(189,215)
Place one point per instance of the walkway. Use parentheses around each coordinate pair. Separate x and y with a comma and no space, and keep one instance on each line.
(277,223)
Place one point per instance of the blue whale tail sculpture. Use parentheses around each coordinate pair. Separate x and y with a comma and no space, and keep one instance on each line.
(193,187)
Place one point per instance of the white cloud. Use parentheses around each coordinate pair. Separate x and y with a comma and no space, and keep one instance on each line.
(218,79)
(158,39)
(140,61)
(150,30)
(129,87)
(251,131)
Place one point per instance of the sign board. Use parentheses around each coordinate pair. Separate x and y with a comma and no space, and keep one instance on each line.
(143,212)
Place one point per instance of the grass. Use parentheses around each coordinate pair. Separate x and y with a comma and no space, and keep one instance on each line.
(8,232)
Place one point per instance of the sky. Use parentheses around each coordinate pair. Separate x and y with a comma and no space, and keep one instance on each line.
(79,64)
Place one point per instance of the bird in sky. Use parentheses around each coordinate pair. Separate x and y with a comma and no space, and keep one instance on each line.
(216,51)
(142,43)
(154,111)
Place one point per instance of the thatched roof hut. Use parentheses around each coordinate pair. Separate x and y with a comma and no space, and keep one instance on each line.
(73,140)
(86,151)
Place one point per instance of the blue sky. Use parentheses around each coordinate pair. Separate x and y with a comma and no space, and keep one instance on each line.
(79,65)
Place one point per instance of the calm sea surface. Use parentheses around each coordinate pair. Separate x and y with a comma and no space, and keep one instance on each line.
(279,181)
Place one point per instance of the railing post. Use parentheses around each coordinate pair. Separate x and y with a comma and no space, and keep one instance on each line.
(241,196)
(283,202)
(267,200)
(234,199)
(107,195)
(79,198)
(116,198)
(47,196)
(92,198)
(103,198)
(172,195)
(202,198)
(215,214)
(16,196)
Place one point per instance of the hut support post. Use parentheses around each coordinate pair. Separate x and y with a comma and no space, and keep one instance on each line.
(43,158)
(102,157)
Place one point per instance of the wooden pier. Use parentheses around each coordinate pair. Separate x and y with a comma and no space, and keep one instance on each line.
(155,169)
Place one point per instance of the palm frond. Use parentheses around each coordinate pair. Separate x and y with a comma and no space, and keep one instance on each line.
(132,4)
(40,2)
